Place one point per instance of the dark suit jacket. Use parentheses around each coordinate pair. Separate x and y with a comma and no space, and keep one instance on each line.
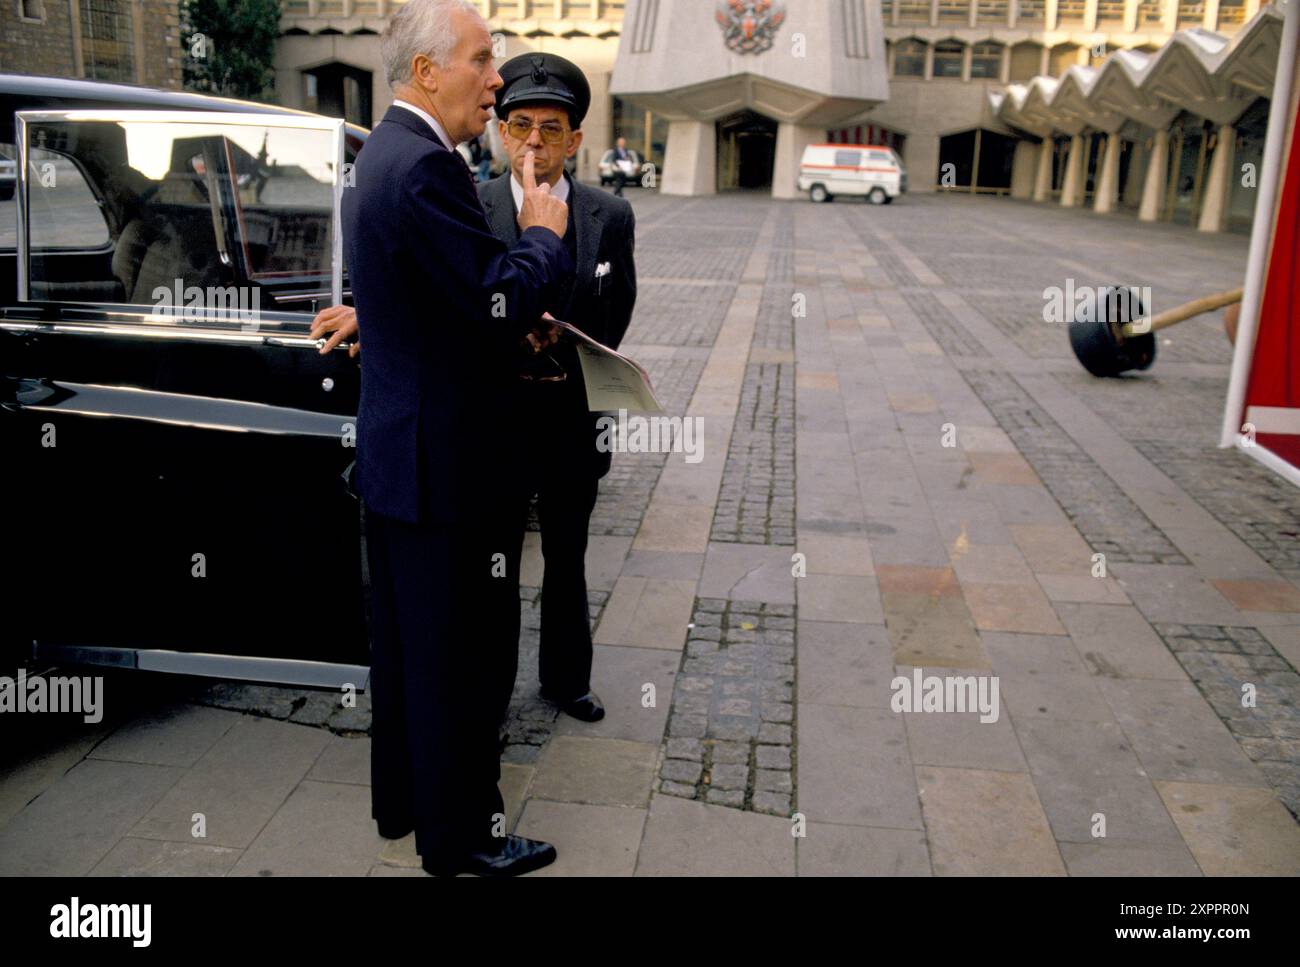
(443,305)
(604,230)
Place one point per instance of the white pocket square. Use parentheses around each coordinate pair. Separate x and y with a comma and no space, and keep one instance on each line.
(602,270)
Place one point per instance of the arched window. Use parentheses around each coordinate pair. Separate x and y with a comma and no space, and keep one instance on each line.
(909,58)
(986,60)
(947,58)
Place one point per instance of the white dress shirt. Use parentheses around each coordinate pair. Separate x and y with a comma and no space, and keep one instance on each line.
(559,190)
(430,120)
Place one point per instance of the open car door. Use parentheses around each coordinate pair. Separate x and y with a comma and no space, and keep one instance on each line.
(175,445)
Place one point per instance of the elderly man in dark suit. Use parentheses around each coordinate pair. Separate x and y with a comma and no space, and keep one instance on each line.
(443,306)
(540,107)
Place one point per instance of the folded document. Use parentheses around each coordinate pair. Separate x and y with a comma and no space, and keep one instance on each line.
(614,382)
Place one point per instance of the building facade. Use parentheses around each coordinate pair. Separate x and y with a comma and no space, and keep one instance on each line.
(328,60)
(1176,133)
(947,56)
(746,85)
(132,41)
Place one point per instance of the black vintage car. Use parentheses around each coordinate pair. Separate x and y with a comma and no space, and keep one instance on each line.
(173,442)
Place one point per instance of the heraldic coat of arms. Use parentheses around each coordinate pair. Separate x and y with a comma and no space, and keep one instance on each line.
(749,26)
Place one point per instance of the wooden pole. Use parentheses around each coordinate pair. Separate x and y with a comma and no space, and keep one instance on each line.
(1187,310)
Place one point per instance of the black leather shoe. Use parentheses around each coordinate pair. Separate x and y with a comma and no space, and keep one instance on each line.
(584,708)
(515,856)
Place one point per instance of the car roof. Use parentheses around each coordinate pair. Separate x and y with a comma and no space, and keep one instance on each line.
(28,91)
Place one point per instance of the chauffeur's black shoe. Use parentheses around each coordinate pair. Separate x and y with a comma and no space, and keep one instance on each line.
(515,855)
(584,708)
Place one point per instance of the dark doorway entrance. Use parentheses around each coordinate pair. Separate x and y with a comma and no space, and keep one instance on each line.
(746,151)
(958,164)
(339,91)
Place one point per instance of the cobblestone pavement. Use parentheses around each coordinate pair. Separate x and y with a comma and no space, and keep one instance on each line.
(731,730)
(904,473)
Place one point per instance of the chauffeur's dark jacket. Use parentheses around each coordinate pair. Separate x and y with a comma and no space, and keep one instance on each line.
(430,281)
(602,228)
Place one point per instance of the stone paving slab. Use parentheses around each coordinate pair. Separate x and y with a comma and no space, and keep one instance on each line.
(684,838)
(176,736)
(238,785)
(72,825)
(983,823)
(330,813)
(854,768)
(829,850)
(151,857)
(1234,830)
(590,840)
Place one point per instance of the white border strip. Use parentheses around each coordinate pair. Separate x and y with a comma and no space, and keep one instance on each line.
(1281,420)
(1271,460)
(1261,233)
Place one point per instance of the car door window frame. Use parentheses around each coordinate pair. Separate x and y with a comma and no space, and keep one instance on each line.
(124,314)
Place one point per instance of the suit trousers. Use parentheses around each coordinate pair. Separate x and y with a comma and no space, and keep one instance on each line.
(434,759)
(564,506)
(564,511)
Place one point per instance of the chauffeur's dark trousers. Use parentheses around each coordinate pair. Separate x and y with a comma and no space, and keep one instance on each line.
(434,758)
(564,513)
(564,507)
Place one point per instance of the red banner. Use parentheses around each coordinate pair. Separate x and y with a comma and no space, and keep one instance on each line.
(1273,390)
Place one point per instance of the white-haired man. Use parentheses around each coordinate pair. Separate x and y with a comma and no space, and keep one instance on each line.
(443,306)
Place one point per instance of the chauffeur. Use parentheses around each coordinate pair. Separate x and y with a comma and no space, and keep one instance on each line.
(540,106)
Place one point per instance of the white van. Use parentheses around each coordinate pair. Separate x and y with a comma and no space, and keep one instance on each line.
(828,170)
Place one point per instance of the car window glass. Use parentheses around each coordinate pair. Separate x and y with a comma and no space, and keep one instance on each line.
(848,159)
(881,156)
(63,211)
(196,214)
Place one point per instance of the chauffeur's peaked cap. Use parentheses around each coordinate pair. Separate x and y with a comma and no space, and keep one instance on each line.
(536,78)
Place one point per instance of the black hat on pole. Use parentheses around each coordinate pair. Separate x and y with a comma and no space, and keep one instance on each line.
(535,78)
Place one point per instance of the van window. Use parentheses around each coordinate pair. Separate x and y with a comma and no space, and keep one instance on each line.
(848,159)
(880,157)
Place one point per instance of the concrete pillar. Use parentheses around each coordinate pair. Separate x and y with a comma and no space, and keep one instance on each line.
(1108,183)
(1043,177)
(1153,189)
(1130,192)
(1218,187)
(690,159)
(922,162)
(1071,188)
(1022,169)
(1169,15)
(791,139)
